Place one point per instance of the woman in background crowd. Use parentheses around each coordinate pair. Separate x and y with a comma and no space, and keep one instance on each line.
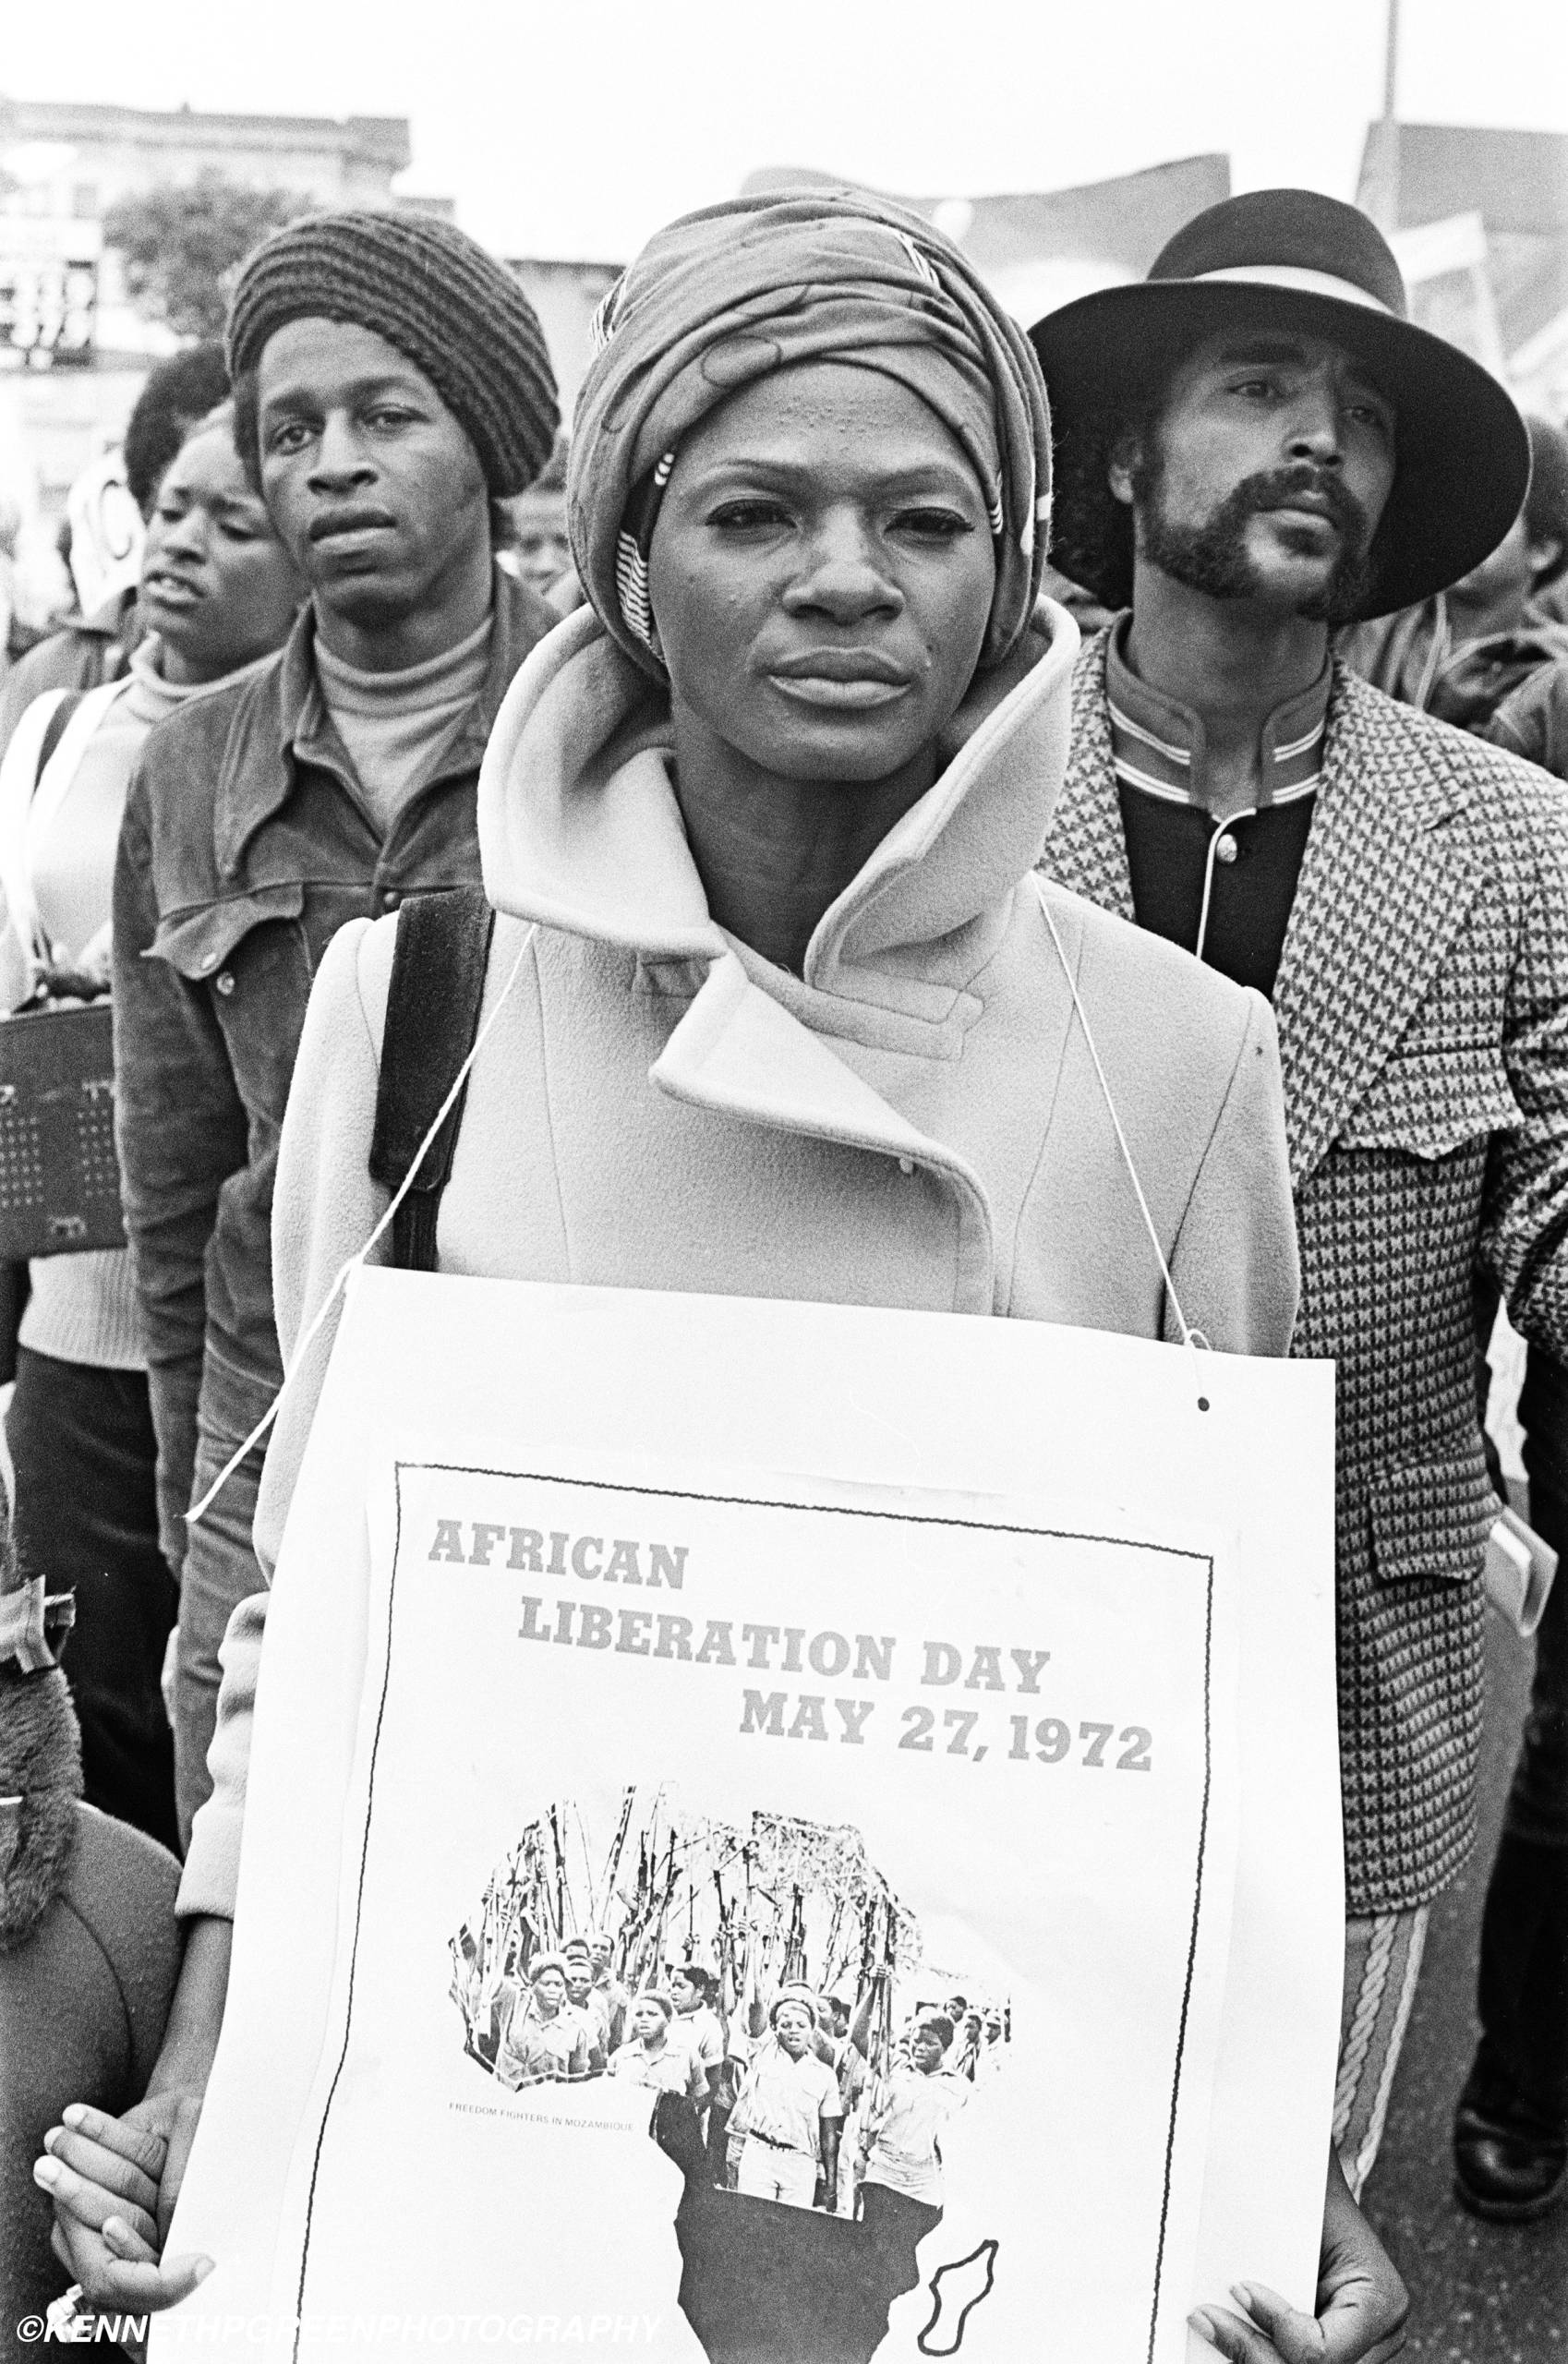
(94,648)
(216,592)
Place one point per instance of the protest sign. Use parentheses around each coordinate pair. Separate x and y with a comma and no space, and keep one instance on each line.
(892,1655)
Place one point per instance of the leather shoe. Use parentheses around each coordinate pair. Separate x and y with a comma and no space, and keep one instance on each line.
(1509,2164)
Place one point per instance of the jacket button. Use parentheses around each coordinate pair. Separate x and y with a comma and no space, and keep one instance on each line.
(906,1166)
(1225,850)
(391,898)
(226,983)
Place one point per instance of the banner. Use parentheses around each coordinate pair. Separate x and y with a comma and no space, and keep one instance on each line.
(924,1730)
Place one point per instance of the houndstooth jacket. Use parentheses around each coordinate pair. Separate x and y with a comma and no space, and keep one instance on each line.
(1422,1003)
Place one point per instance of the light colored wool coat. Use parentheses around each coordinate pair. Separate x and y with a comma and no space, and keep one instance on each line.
(915,1122)
(1422,999)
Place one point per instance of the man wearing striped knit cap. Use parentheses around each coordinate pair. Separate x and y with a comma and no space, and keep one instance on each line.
(391,388)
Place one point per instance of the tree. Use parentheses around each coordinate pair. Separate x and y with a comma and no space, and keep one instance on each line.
(182,247)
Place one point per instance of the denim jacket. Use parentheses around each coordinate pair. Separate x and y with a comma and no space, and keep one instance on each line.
(246,845)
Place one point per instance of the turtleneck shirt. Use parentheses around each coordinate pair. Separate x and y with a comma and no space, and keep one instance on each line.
(396,726)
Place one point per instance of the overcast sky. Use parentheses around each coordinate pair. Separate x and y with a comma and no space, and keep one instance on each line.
(576,129)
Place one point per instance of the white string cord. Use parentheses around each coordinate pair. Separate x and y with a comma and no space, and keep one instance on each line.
(1189,1337)
(1220,831)
(199,1511)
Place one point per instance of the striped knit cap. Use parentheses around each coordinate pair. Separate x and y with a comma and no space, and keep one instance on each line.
(432,291)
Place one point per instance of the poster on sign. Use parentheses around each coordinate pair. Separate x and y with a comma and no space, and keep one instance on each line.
(780,1901)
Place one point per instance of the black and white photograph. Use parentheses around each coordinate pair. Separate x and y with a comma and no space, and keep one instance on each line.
(658,664)
(765,1986)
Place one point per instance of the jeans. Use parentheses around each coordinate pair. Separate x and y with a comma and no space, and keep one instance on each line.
(220,1570)
(87,1518)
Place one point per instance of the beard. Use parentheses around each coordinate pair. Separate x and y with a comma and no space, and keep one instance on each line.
(1213,557)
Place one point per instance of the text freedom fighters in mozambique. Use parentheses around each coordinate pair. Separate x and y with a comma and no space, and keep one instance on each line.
(786,1649)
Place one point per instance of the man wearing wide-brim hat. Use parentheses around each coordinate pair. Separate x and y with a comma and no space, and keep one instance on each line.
(1255,445)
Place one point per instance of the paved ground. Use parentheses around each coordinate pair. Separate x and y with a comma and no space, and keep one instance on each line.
(1480,2294)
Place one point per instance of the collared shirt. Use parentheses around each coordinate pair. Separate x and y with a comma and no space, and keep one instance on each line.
(701,2032)
(905,2125)
(784,2100)
(671,2068)
(1223,889)
(535,2050)
(245,847)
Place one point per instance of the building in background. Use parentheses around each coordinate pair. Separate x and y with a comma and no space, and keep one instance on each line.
(73,162)
(566,295)
(74,349)
(1479,221)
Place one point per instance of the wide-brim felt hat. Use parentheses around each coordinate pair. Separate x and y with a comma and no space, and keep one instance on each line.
(1291,257)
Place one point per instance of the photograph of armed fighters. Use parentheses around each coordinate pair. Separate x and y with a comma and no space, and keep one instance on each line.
(764,1984)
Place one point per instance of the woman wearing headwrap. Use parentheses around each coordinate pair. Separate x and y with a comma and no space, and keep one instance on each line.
(780,1007)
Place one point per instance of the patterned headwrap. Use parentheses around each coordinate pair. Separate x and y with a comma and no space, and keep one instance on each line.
(727,296)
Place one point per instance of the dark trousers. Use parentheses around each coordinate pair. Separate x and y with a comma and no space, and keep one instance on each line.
(1523,1990)
(87,1518)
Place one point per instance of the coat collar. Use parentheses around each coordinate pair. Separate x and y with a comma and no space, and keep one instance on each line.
(284,723)
(579,829)
(1385,885)
(1162,745)
(739,1051)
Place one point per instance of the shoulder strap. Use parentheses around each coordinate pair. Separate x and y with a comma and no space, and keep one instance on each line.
(54,730)
(438,982)
(21,767)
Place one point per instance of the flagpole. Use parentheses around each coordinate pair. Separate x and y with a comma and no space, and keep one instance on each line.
(1383,195)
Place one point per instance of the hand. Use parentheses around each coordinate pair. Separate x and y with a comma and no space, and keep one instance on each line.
(1362,2303)
(66,988)
(95,960)
(114,2182)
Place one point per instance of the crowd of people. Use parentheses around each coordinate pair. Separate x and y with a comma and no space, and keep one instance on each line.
(827,2094)
(1064,827)
(800,2097)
